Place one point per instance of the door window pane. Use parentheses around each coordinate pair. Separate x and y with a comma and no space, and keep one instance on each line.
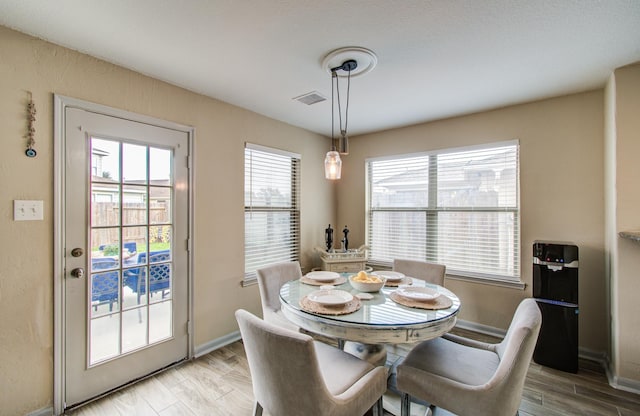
(134,329)
(160,166)
(159,282)
(131,234)
(159,321)
(134,203)
(160,205)
(105,293)
(105,204)
(133,287)
(105,160)
(105,338)
(134,164)
(105,248)
(160,237)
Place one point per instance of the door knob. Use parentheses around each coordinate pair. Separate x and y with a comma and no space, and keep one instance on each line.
(78,272)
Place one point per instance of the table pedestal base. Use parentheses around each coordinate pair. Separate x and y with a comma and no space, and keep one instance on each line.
(375,354)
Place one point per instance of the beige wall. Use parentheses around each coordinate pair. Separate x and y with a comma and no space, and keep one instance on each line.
(623,143)
(26,248)
(561,177)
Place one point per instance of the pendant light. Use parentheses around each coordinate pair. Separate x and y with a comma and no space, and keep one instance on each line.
(343,62)
(332,162)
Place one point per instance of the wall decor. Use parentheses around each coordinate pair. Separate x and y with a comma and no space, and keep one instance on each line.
(31,130)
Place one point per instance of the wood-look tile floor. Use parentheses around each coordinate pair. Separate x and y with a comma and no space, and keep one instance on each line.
(219,383)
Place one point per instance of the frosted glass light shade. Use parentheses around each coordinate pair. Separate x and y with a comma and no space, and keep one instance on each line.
(332,165)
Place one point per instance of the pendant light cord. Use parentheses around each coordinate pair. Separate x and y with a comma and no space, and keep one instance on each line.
(346,113)
(333,75)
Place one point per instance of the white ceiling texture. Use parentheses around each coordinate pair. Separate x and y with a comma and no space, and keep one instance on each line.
(436,58)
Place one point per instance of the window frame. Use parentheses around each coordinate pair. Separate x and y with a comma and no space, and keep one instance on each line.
(293,209)
(431,211)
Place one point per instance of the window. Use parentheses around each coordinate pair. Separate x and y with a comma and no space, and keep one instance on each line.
(271,208)
(458,207)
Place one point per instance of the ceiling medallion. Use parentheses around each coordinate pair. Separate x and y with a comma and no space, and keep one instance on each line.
(365,58)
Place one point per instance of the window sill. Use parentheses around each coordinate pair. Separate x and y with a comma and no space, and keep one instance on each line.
(249,282)
(511,284)
(473,278)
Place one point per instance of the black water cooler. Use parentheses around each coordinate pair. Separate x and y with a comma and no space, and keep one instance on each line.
(555,288)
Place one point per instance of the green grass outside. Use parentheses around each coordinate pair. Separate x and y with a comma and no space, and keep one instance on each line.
(142,247)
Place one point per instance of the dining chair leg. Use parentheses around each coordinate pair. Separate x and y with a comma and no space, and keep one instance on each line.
(378,408)
(405,405)
(257,409)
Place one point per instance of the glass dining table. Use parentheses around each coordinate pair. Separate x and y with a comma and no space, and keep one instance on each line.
(380,320)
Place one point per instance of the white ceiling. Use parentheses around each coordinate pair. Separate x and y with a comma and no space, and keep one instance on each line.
(436,58)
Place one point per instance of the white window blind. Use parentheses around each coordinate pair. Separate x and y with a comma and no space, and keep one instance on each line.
(271,211)
(457,207)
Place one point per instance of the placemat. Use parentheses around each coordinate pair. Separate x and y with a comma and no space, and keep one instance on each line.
(441,302)
(404,281)
(340,280)
(314,307)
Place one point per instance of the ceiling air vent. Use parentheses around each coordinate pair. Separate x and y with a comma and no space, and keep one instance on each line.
(310,98)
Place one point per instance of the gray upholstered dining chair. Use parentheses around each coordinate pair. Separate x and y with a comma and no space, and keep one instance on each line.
(270,280)
(294,375)
(469,377)
(429,272)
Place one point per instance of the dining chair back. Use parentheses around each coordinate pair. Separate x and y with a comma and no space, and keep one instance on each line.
(270,280)
(294,375)
(469,377)
(429,272)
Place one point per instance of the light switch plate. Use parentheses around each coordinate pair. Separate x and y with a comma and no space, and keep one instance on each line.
(28,210)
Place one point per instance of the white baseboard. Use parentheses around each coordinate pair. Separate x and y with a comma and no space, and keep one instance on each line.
(587,354)
(591,355)
(47,411)
(621,383)
(482,329)
(216,343)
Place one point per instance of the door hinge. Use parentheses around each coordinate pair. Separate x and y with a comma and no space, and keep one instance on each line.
(188,327)
(188,244)
(189,162)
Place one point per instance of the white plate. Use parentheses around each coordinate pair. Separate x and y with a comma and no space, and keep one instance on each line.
(322,276)
(418,293)
(391,276)
(330,297)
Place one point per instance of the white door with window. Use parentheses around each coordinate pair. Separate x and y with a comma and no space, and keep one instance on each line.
(125,231)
